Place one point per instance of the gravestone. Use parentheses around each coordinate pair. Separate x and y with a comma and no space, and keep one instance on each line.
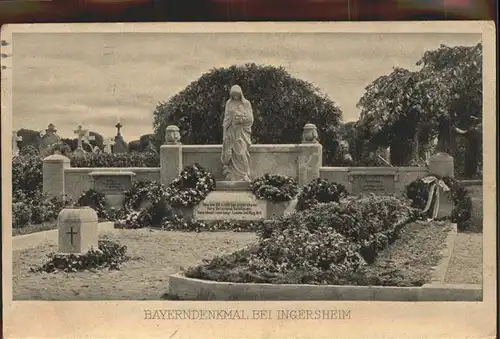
(377,183)
(120,145)
(15,140)
(108,143)
(82,135)
(113,185)
(77,230)
(49,139)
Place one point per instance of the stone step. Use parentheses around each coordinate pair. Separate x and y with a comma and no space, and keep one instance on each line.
(232,186)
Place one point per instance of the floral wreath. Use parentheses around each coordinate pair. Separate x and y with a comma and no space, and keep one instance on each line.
(191,186)
(274,187)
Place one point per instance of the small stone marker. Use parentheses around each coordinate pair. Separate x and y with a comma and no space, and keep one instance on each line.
(113,185)
(15,140)
(78,230)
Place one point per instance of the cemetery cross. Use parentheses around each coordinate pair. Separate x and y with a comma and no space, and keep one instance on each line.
(71,233)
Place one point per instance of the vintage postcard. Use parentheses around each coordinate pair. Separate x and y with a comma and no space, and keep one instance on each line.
(249,180)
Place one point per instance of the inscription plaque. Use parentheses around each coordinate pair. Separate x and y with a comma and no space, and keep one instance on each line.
(113,185)
(373,183)
(230,206)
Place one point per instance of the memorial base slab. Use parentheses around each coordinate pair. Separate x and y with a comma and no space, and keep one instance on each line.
(230,205)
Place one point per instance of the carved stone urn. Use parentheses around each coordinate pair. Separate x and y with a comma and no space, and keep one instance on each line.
(310,134)
(172,135)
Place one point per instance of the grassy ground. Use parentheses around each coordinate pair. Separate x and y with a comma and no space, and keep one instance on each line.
(410,259)
(45,226)
(154,256)
(28,229)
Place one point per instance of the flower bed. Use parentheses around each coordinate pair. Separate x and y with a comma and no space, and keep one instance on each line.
(109,254)
(326,244)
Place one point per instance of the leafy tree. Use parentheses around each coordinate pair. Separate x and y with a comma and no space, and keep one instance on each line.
(406,109)
(147,142)
(350,133)
(30,138)
(134,146)
(399,110)
(460,68)
(282,105)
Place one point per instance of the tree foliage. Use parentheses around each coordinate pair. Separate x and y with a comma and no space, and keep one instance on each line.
(282,105)
(30,138)
(404,107)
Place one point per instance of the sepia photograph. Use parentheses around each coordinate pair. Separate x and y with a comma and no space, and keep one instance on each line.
(251,165)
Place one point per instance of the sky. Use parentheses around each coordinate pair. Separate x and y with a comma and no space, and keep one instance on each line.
(94,78)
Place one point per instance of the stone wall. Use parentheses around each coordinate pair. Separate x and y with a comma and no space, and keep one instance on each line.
(373,179)
(303,161)
(297,160)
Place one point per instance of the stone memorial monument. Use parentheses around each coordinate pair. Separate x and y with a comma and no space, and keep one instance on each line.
(232,198)
(83,135)
(108,144)
(49,139)
(120,145)
(15,140)
(77,230)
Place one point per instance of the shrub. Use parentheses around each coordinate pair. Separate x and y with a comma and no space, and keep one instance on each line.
(108,254)
(27,174)
(274,187)
(45,208)
(282,105)
(418,192)
(325,244)
(95,200)
(319,191)
(131,159)
(21,214)
(190,187)
(178,223)
(36,208)
(133,220)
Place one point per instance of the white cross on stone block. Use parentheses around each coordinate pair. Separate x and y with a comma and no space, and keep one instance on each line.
(78,230)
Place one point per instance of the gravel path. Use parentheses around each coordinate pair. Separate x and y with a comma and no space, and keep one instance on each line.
(139,279)
(466,264)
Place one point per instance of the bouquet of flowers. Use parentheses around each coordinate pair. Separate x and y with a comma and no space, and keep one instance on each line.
(239,117)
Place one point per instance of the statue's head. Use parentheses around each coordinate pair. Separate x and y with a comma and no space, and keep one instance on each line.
(236,93)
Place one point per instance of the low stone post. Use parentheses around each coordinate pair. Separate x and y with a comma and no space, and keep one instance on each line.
(53,175)
(170,155)
(78,230)
(441,164)
(310,155)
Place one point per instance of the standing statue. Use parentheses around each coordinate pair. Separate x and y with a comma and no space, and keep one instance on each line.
(237,128)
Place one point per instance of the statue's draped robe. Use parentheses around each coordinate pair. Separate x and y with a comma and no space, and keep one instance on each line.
(237,140)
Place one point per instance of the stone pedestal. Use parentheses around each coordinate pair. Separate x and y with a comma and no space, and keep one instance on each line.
(441,164)
(53,175)
(445,205)
(241,186)
(170,162)
(77,230)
